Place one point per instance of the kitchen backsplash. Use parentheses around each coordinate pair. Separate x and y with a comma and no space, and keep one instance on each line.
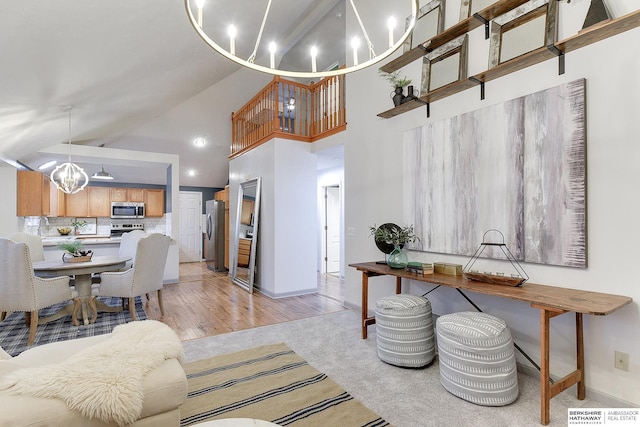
(103,226)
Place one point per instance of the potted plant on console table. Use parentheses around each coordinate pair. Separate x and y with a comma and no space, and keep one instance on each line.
(74,252)
(398,237)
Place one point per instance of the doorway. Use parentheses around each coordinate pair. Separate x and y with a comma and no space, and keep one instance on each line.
(190,226)
(330,281)
(332,237)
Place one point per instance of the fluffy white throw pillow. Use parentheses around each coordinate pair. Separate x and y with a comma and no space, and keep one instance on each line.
(104,381)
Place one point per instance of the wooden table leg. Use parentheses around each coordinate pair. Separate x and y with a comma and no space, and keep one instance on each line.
(580,356)
(366,320)
(544,367)
(365,303)
(398,285)
(548,390)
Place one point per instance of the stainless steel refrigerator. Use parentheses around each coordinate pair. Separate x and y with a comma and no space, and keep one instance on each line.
(214,244)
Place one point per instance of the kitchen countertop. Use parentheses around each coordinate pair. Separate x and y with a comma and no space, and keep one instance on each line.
(86,240)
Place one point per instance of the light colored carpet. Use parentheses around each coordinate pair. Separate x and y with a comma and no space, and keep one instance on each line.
(270,383)
(404,397)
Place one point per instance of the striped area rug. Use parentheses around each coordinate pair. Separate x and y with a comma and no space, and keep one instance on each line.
(269,383)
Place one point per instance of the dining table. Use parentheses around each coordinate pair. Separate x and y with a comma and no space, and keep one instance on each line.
(83,272)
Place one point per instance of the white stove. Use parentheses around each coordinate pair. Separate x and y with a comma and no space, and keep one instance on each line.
(117,230)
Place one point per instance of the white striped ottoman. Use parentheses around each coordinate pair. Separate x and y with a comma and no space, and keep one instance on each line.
(404,331)
(477,359)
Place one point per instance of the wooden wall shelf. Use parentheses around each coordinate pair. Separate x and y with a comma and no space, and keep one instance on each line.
(582,39)
(462,27)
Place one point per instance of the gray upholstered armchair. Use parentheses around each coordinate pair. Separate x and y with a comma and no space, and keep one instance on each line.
(145,276)
(21,290)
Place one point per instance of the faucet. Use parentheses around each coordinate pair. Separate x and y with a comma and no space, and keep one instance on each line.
(46,221)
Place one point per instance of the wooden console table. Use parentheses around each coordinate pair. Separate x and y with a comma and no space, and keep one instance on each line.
(552,301)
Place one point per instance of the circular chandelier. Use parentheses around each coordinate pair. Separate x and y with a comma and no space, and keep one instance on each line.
(69,177)
(196,20)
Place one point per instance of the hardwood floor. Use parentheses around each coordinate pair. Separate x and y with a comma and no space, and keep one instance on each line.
(206,303)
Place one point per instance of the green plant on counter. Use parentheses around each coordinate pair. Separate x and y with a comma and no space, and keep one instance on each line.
(73,247)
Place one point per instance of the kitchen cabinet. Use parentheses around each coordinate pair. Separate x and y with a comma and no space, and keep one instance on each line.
(223,195)
(118,194)
(98,201)
(76,204)
(247,211)
(33,190)
(153,202)
(57,202)
(135,195)
(244,250)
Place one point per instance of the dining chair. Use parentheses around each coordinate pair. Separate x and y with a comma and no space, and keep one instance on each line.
(129,244)
(21,290)
(144,277)
(34,242)
(127,249)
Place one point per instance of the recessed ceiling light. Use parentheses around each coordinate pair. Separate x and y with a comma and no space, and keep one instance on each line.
(47,165)
(191,172)
(199,142)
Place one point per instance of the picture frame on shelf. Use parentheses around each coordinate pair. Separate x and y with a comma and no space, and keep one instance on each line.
(445,65)
(429,22)
(522,30)
(469,7)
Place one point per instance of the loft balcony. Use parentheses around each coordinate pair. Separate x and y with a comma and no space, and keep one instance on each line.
(290,110)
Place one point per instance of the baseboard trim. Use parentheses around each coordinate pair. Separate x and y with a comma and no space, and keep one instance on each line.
(600,397)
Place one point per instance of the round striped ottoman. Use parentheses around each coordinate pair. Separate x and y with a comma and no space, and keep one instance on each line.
(404,331)
(477,359)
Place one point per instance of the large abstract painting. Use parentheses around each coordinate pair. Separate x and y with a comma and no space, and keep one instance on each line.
(518,167)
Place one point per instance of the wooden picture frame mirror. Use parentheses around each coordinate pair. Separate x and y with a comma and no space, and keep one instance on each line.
(429,22)
(246,234)
(445,65)
(470,7)
(522,30)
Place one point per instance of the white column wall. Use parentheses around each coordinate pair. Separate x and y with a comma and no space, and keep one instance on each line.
(374,194)
(286,233)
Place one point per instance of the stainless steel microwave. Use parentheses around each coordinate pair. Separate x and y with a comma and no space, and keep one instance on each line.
(127,210)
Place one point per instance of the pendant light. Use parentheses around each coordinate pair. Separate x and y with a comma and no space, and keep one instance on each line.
(102,174)
(69,177)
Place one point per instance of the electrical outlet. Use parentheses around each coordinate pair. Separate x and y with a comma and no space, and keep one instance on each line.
(622,361)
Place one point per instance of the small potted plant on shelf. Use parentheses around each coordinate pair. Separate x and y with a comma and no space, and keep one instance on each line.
(74,252)
(398,237)
(398,83)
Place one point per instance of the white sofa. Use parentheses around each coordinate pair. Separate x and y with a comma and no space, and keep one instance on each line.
(165,389)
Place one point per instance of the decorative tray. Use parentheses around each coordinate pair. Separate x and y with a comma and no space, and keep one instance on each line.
(492,278)
(70,258)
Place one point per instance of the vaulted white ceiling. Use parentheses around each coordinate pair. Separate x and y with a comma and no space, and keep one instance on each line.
(120,64)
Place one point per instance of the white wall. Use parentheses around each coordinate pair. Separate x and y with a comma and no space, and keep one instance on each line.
(8,218)
(286,234)
(374,194)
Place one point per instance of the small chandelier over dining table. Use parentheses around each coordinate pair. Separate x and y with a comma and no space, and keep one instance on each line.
(270,49)
(69,177)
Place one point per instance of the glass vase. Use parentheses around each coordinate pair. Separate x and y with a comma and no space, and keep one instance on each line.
(397,258)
